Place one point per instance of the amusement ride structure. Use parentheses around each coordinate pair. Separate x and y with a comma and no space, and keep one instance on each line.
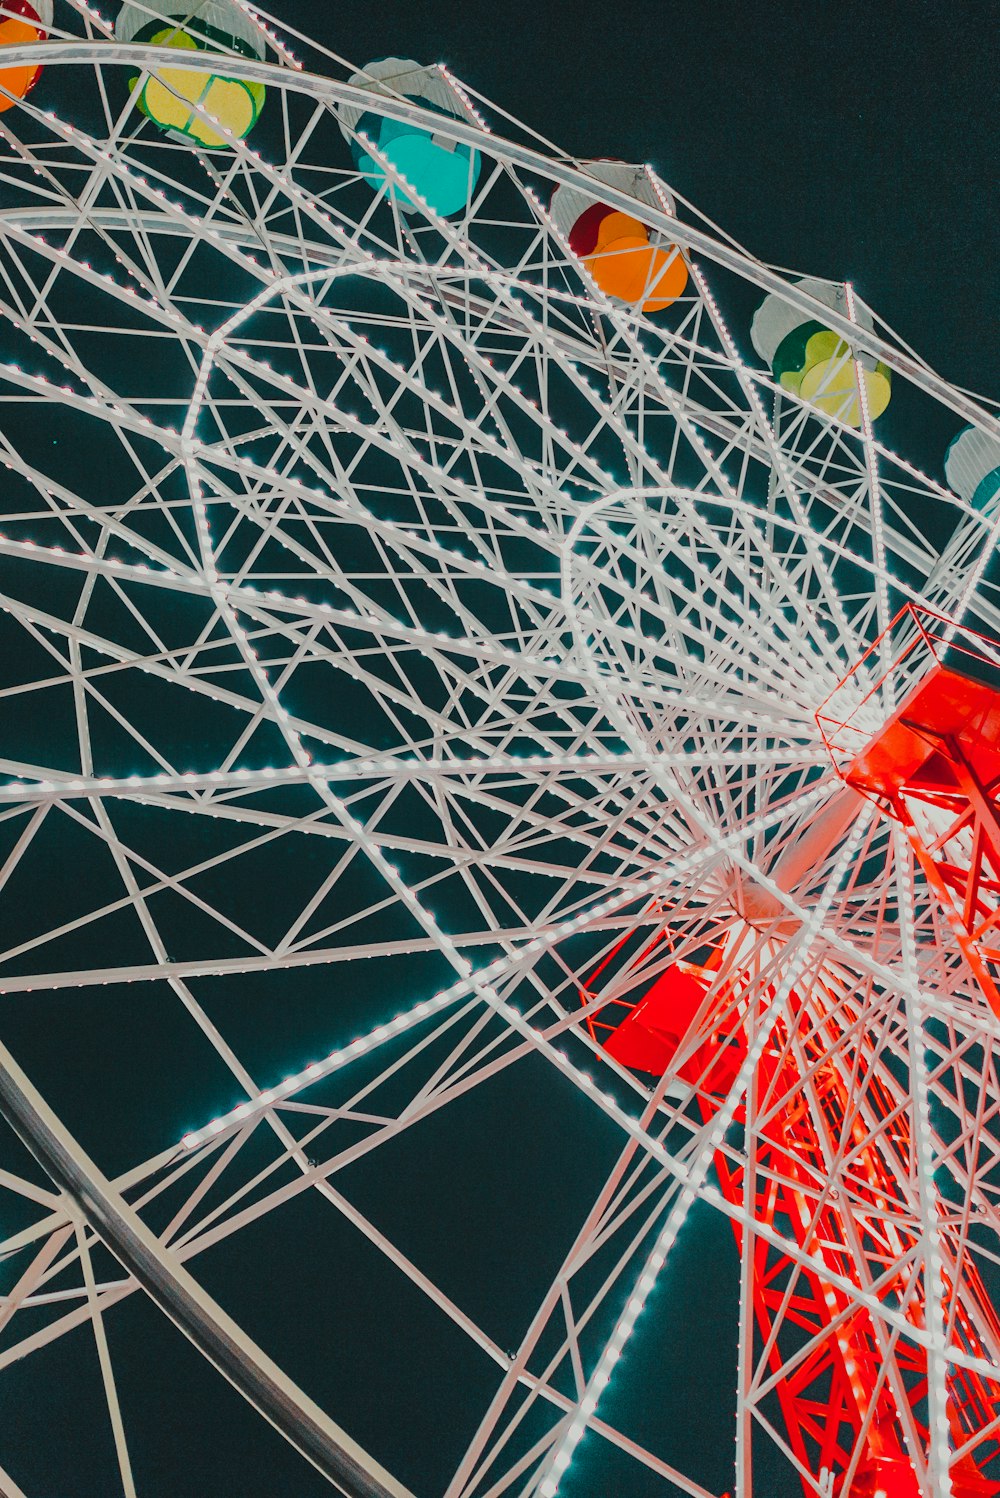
(500,775)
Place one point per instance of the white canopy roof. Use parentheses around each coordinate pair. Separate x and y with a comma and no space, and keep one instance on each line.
(971,456)
(775,318)
(401,77)
(568,203)
(221,15)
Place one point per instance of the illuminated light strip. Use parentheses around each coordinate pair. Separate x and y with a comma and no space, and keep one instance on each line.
(384,270)
(888,684)
(693,864)
(363,839)
(934,485)
(187,219)
(459,89)
(695,1174)
(764,377)
(936,1315)
(165,577)
(363,769)
(668,396)
(502,283)
(219,338)
(316,1070)
(515,154)
(609,690)
(563,1454)
(301,602)
(103,280)
(630,1124)
(388,870)
(473,983)
(601,1376)
(476,982)
(60,556)
(454,83)
(746,377)
(493,274)
(247,596)
(623,321)
(277,43)
(498,279)
(680,1172)
(774,677)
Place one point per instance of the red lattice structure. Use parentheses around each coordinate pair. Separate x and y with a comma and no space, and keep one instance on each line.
(924,743)
(933,764)
(832,1389)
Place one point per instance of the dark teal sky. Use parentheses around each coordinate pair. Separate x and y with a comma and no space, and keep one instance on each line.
(846,139)
(852,140)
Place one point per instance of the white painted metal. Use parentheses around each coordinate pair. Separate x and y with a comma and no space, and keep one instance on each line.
(531,602)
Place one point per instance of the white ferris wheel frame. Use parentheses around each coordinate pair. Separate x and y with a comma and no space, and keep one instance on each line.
(103,1204)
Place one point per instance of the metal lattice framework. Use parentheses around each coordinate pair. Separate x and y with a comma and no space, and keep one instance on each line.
(409,646)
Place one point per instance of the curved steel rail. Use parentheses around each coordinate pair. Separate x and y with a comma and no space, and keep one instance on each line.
(332,92)
(179,1296)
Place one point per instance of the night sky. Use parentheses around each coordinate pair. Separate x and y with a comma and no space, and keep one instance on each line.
(850,140)
(845,140)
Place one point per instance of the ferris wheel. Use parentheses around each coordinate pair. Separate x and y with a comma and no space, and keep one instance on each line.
(499,763)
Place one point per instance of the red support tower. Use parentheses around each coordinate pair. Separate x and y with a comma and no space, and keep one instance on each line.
(925,744)
(826,1393)
(934,765)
